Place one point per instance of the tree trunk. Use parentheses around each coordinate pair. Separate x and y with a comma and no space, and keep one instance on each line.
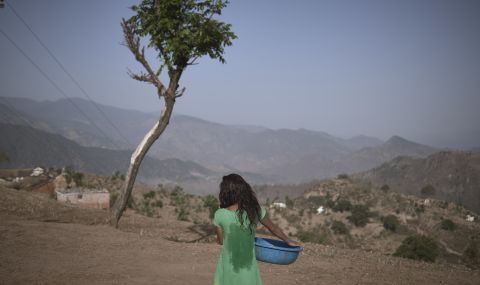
(137,158)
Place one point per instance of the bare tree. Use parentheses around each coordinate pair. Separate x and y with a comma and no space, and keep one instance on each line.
(180,32)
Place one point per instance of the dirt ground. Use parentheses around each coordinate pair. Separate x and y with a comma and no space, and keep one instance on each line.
(43,243)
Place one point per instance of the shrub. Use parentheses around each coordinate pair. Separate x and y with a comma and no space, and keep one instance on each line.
(178,197)
(68,174)
(158,204)
(472,253)
(329,202)
(316,201)
(419,208)
(115,175)
(78,178)
(147,210)
(289,202)
(149,195)
(428,191)
(385,188)
(211,203)
(339,228)
(360,215)
(342,176)
(342,205)
(292,219)
(448,225)
(182,214)
(113,198)
(177,191)
(391,223)
(71,175)
(311,236)
(443,204)
(418,247)
(130,202)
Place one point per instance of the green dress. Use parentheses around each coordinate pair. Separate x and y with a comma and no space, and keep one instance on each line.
(237,264)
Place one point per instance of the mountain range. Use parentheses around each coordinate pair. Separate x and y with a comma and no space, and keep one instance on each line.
(268,156)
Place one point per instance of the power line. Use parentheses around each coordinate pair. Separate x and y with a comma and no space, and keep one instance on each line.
(69,75)
(57,87)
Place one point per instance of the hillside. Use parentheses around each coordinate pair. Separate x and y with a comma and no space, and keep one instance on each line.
(358,215)
(453,176)
(269,156)
(27,148)
(370,157)
(172,242)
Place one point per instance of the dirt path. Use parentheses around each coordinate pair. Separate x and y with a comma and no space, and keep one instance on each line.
(35,252)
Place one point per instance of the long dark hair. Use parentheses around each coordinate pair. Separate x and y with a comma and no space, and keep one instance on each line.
(234,189)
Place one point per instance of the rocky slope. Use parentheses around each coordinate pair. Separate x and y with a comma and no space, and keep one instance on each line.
(449,175)
(357,214)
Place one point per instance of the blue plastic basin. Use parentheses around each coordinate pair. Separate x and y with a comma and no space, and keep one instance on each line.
(275,251)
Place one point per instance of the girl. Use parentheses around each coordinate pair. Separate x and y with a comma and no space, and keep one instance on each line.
(235,223)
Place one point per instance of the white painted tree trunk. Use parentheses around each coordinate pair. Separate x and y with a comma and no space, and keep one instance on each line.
(137,158)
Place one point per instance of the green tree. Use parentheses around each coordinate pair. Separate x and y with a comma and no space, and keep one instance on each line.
(180,32)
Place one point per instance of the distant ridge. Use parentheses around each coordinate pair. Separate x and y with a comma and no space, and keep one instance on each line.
(269,156)
(454,176)
(27,147)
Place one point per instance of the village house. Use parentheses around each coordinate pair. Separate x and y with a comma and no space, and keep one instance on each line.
(279,205)
(470,218)
(84,197)
(320,210)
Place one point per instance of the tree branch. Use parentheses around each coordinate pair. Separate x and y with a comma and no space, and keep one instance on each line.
(140,77)
(133,43)
(192,62)
(180,93)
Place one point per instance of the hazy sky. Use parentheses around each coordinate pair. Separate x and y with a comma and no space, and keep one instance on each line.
(379,68)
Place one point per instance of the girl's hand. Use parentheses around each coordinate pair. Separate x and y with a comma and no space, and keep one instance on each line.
(293,243)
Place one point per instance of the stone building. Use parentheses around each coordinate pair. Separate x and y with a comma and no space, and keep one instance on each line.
(84,197)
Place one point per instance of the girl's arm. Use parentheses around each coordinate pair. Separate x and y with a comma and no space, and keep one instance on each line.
(219,232)
(274,229)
